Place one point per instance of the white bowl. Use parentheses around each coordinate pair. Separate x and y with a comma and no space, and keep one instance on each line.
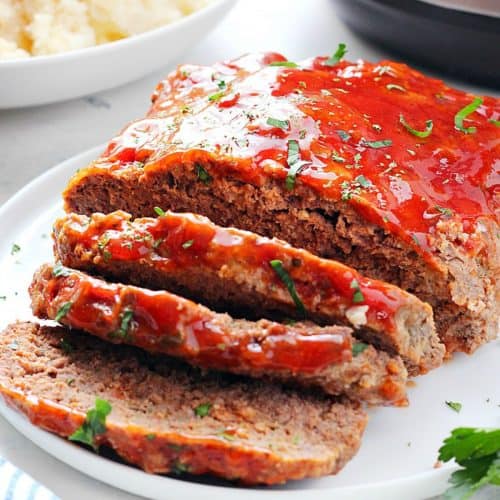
(59,77)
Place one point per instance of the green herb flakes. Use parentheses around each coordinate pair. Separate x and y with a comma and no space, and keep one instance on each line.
(66,346)
(447,212)
(358,294)
(495,122)
(151,436)
(344,136)
(295,164)
(282,124)
(202,174)
(358,348)
(477,451)
(63,311)
(94,424)
(159,212)
(454,405)
(15,249)
(422,134)
(125,323)
(384,143)
(337,55)
(59,271)
(287,64)
(464,113)
(216,97)
(202,410)
(336,157)
(277,265)
(221,84)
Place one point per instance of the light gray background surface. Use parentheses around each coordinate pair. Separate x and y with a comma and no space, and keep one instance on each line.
(33,140)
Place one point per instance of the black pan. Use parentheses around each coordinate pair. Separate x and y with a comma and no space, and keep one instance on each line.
(460,43)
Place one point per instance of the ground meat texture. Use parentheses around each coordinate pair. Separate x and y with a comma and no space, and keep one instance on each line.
(230,269)
(158,321)
(253,432)
(323,156)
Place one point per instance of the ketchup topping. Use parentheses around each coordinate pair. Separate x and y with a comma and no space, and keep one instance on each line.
(162,322)
(348,120)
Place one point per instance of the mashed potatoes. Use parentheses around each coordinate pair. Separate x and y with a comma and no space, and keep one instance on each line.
(43,27)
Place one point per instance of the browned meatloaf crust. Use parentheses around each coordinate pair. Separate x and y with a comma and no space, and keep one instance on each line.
(161,322)
(336,171)
(230,269)
(253,432)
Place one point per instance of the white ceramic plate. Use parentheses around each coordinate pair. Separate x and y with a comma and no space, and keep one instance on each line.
(59,77)
(400,446)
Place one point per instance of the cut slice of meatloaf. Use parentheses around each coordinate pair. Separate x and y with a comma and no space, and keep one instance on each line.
(227,268)
(375,165)
(161,322)
(172,418)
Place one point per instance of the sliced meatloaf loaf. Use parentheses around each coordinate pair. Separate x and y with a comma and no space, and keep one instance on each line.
(376,165)
(172,418)
(229,268)
(161,322)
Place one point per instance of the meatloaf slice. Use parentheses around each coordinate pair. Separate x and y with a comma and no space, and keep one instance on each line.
(161,322)
(375,165)
(172,418)
(227,268)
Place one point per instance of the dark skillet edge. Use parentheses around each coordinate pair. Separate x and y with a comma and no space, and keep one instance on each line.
(469,44)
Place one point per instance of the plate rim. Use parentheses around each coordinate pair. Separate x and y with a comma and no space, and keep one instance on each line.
(384,489)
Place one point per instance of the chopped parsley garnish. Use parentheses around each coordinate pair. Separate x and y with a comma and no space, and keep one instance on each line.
(60,271)
(343,135)
(393,86)
(385,143)
(495,122)
(448,212)
(3,297)
(336,157)
(187,244)
(180,468)
(126,319)
(221,84)
(94,424)
(202,410)
(422,134)
(287,64)
(151,436)
(228,437)
(158,242)
(295,164)
(477,451)
(277,265)
(454,405)
(358,348)
(66,346)
(337,56)
(216,97)
(354,187)
(464,113)
(101,244)
(15,249)
(363,181)
(202,174)
(358,294)
(63,311)
(282,124)
(159,211)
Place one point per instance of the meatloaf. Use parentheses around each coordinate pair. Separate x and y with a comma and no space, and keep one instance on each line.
(161,322)
(228,268)
(172,418)
(372,164)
